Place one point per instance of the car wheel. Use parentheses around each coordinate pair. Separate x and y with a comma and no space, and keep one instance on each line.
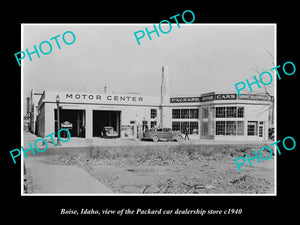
(179,138)
(155,138)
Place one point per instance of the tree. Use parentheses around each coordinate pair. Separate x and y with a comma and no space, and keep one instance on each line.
(266,89)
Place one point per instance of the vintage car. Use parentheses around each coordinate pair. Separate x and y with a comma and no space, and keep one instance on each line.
(157,134)
(108,132)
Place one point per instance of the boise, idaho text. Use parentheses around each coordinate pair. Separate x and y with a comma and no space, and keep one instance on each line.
(36,141)
(269,149)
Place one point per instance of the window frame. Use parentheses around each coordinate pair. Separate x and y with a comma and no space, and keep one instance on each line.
(176,113)
(249,129)
(231,112)
(219,112)
(240,112)
(230,128)
(221,124)
(194,113)
(228,112)
(153,113)
(184,113)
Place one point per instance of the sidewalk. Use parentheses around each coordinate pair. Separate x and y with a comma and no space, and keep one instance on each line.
(62,179)
(59,179)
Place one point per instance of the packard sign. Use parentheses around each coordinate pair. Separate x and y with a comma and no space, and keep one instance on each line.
(184,99)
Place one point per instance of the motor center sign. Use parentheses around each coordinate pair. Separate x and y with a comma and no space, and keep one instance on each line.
(96,97)
(132,99)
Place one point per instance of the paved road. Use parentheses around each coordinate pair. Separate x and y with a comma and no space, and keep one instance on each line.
(94,142)
(62,179)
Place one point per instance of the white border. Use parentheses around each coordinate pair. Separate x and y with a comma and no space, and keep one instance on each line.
(141,24)
(22,119)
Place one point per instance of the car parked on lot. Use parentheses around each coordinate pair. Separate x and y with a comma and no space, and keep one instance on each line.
(157,134)
(108,132)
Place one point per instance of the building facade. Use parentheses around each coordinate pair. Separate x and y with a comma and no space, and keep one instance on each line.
(217,116)
(223,116)
(89,113)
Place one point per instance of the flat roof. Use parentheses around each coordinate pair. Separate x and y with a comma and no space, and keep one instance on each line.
(144,100)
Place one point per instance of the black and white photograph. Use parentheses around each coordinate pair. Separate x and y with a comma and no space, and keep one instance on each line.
(145,110)
(112,114)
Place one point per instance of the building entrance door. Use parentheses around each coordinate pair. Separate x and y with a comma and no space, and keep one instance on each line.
(102,118)
(73,120)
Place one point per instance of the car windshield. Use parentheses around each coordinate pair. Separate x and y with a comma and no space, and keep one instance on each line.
(167,129)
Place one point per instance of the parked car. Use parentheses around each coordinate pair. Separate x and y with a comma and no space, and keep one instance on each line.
(108,132)
(157,134)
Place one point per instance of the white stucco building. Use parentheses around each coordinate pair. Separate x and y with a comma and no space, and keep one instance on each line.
(218,116)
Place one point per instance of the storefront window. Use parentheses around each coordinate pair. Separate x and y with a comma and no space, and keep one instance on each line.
(175,126)
(230,127)
(153,113)
(220,127)
(190,120)
(220,112)
(192,127)
(231,112)
(240,112)
(184,113)
(153,124)
(176,113)
(184,126)
(252,128)
(194,114)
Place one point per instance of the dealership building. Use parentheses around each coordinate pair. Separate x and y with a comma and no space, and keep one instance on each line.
(217,116)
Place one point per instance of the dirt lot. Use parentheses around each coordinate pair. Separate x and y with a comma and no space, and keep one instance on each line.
(175,169)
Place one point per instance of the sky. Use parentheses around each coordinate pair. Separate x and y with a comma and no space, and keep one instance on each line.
(201,57)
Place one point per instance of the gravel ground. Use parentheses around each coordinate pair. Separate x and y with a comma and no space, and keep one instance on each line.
(174,169)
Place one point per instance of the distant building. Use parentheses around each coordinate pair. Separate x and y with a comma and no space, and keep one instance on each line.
(26,122)
(33,111)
